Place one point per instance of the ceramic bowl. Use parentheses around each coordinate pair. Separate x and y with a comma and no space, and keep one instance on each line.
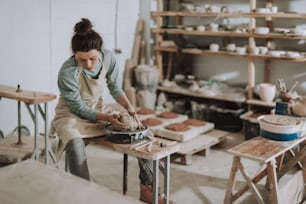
(292,54)
(263,10)
(240,50)
(189,28)
(280,127)
(214,47)
(275,53)
(261,30)
(300,31)
(254,50)
(231,47)
(263,50)
(201,28)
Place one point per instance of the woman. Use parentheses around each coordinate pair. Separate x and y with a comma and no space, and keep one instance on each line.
(80,110)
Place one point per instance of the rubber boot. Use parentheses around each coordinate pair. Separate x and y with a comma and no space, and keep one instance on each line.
(146,195)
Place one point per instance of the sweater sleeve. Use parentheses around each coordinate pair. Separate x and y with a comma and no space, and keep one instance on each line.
(112,75)
(68,84)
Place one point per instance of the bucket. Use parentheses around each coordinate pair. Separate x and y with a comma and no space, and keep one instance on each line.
(147,77)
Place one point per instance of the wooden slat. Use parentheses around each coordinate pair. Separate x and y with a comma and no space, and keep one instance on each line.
(25,95)
(232,14)
(156,152)
(263,150)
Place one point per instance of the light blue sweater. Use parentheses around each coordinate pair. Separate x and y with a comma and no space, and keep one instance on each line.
(68,83)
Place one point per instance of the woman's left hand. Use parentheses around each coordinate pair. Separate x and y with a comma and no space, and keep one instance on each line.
(136,118)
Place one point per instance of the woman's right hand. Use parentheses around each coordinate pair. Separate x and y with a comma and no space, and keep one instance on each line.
(114,121)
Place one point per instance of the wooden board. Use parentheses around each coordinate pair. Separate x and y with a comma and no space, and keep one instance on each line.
(263,150)
(30,182)
(178,119)
(156,152)
(25,95)
(183,136)
(200,144)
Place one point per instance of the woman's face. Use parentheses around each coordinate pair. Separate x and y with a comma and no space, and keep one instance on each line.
(87,60)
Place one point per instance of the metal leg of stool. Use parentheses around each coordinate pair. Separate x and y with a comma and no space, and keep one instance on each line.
(66,163)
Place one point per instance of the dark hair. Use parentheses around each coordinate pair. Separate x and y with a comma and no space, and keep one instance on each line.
(85,38)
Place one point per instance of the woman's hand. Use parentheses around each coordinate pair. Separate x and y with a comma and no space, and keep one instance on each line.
(114,121)
(136,118)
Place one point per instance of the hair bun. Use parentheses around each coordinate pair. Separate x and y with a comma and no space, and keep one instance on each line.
(83,27)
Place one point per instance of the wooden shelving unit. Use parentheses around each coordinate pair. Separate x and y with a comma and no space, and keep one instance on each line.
(160,30)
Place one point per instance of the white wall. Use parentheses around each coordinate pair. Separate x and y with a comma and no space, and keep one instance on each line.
(35,40)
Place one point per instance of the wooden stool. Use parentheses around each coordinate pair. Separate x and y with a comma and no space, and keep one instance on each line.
(270,154)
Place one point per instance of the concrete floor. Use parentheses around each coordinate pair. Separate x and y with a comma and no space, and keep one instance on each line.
(204,181)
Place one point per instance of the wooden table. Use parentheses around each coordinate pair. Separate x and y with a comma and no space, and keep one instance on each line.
(35,99)
(157,154)
(31,182)
(270,154)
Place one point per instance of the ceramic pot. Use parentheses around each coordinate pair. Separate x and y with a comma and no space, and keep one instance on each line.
(267,91)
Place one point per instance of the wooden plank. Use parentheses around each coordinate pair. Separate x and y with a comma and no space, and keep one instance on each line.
(143,52)
(184,136)
(26,96)
(31,182)
(157,152)
(137,41)
(203,141)
(200,144)
(263,150)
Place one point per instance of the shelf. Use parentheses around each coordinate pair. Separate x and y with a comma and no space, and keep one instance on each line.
(186,92)
(260,103)
(177,30)
(232,14)
(197,51)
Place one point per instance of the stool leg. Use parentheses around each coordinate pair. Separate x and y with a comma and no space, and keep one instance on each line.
(66,163)
(232,180)
(125,172)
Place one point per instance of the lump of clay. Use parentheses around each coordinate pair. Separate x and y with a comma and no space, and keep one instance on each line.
(151,122)
(167,115)
(129,121)
(194,122)
(178,127)
(145,111)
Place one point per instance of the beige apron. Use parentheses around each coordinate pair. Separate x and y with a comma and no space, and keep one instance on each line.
(68,125)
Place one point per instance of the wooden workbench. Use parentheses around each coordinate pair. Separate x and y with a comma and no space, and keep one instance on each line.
(156,154)
(35,99)
(271,155)
(30,182)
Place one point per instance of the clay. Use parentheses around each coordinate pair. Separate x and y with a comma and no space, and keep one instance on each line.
(194,122)
(151,122)
(129,121)
(167,115)
(178,127)
(145,111)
